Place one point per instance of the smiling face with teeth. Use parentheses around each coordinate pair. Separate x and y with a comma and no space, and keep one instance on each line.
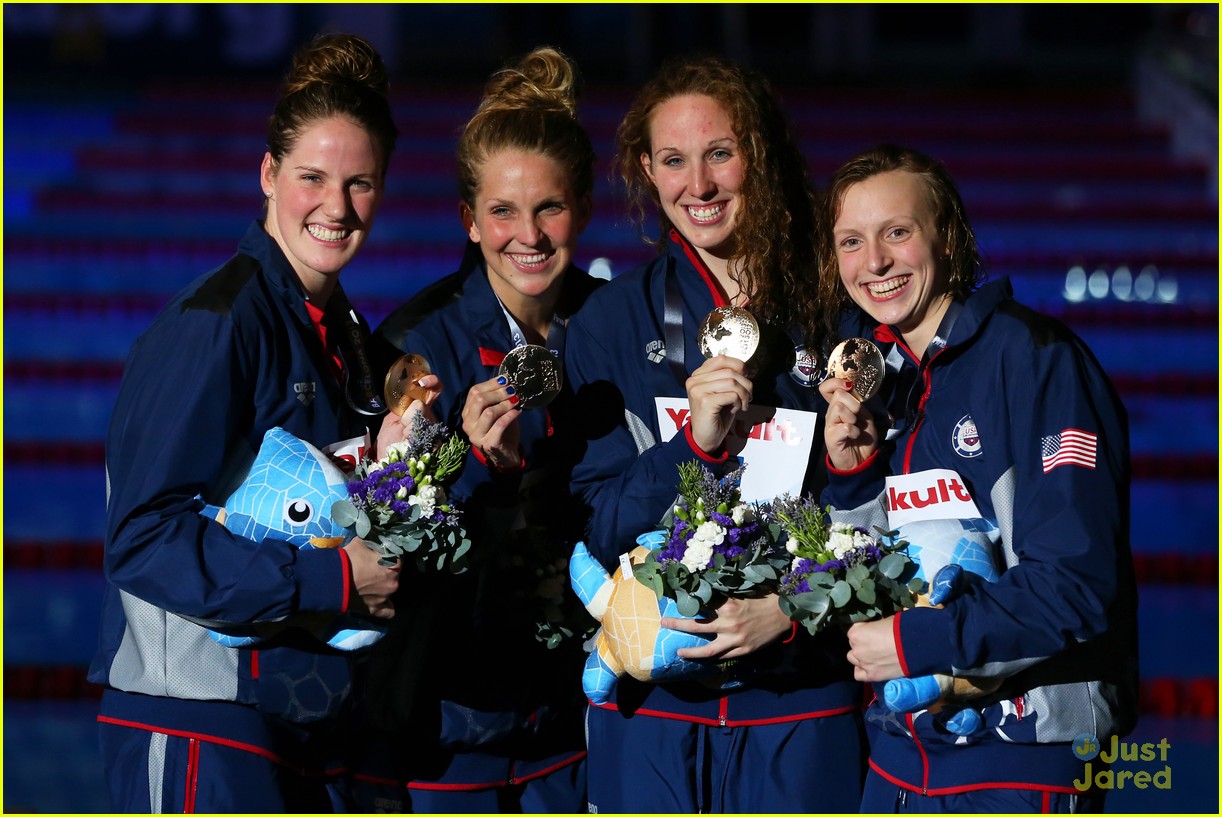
(892,259)
(322,199)
(697,170)
(526,218)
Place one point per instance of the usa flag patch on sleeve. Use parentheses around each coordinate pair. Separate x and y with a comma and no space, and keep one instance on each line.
(1070,447)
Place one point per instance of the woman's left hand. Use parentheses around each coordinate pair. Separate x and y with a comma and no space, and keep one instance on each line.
(872,650)
(740,626)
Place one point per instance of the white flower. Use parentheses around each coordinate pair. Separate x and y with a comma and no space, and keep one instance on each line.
(791,544)
(428,497)
(401,493)
(711,532)
(841,540)
(395,452)
(742,514)
(698,554)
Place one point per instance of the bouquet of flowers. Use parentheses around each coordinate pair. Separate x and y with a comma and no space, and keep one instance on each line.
(398,504)
(840,573)
(716,545)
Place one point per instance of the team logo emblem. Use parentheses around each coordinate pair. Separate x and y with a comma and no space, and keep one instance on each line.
(655,351)
(966,439)
(305,392)
(806,370)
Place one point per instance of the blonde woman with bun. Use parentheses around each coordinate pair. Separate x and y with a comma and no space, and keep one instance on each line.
(473,712)
(267,339)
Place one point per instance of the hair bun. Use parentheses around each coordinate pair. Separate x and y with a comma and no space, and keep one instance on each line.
(543,80)
(338,59)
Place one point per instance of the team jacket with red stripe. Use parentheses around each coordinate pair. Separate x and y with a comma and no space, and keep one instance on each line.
(233,355)
(491,702)
(1059,625)
(616,362)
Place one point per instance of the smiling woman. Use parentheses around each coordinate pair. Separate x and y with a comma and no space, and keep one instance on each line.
(322,197)
(1012,411)
(706,143)
(267,340)
(494,332)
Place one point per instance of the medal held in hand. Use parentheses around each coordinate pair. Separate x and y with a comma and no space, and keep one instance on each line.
(401,386)
(730,331)
(860,362)
(534,373)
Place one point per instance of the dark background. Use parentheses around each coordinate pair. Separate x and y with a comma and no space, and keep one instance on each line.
(1083,137)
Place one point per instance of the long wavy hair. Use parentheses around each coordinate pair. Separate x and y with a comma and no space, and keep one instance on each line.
(774,259)
(950,216)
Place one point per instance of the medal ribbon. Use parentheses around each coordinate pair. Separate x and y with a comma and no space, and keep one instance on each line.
(673,309)
(555,332)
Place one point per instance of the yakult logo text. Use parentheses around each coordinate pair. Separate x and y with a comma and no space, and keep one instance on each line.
(772,429)
(938,493)
(942,491)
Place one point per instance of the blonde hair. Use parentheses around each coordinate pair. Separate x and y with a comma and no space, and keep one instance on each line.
(333,75)
(530,106)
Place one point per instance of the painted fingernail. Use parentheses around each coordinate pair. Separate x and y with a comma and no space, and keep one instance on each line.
(501,381)
(510,390)
(513,398)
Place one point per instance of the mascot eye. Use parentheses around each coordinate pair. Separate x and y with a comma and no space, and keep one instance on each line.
(298,511)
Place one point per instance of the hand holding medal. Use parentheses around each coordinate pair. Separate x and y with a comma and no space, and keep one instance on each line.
(859,362)
(535,374)
(402,385)
(730,331)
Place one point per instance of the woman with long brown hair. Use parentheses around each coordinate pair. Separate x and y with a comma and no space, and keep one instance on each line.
(706,143)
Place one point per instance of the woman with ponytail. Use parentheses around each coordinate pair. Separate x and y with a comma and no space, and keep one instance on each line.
(267,339)
(475,695)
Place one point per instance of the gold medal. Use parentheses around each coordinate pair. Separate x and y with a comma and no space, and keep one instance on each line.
(860,362)
(401,387)
(729,331)
(534,372)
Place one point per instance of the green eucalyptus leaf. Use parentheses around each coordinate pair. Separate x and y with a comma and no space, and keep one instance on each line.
(688,605)
(815,601)
(892,565)
(704,592)
(857,574)
(343,513)
(865,593)
(841,593)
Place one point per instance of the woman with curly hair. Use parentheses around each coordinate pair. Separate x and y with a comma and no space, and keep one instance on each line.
(707,144)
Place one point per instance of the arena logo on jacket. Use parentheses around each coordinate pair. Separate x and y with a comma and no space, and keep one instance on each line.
(778,440)
(966,439)
(655,351)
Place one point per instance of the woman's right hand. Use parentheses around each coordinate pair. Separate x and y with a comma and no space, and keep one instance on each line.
(395,428)
(488,420)
(849,431)
(375,584)
(716,393)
